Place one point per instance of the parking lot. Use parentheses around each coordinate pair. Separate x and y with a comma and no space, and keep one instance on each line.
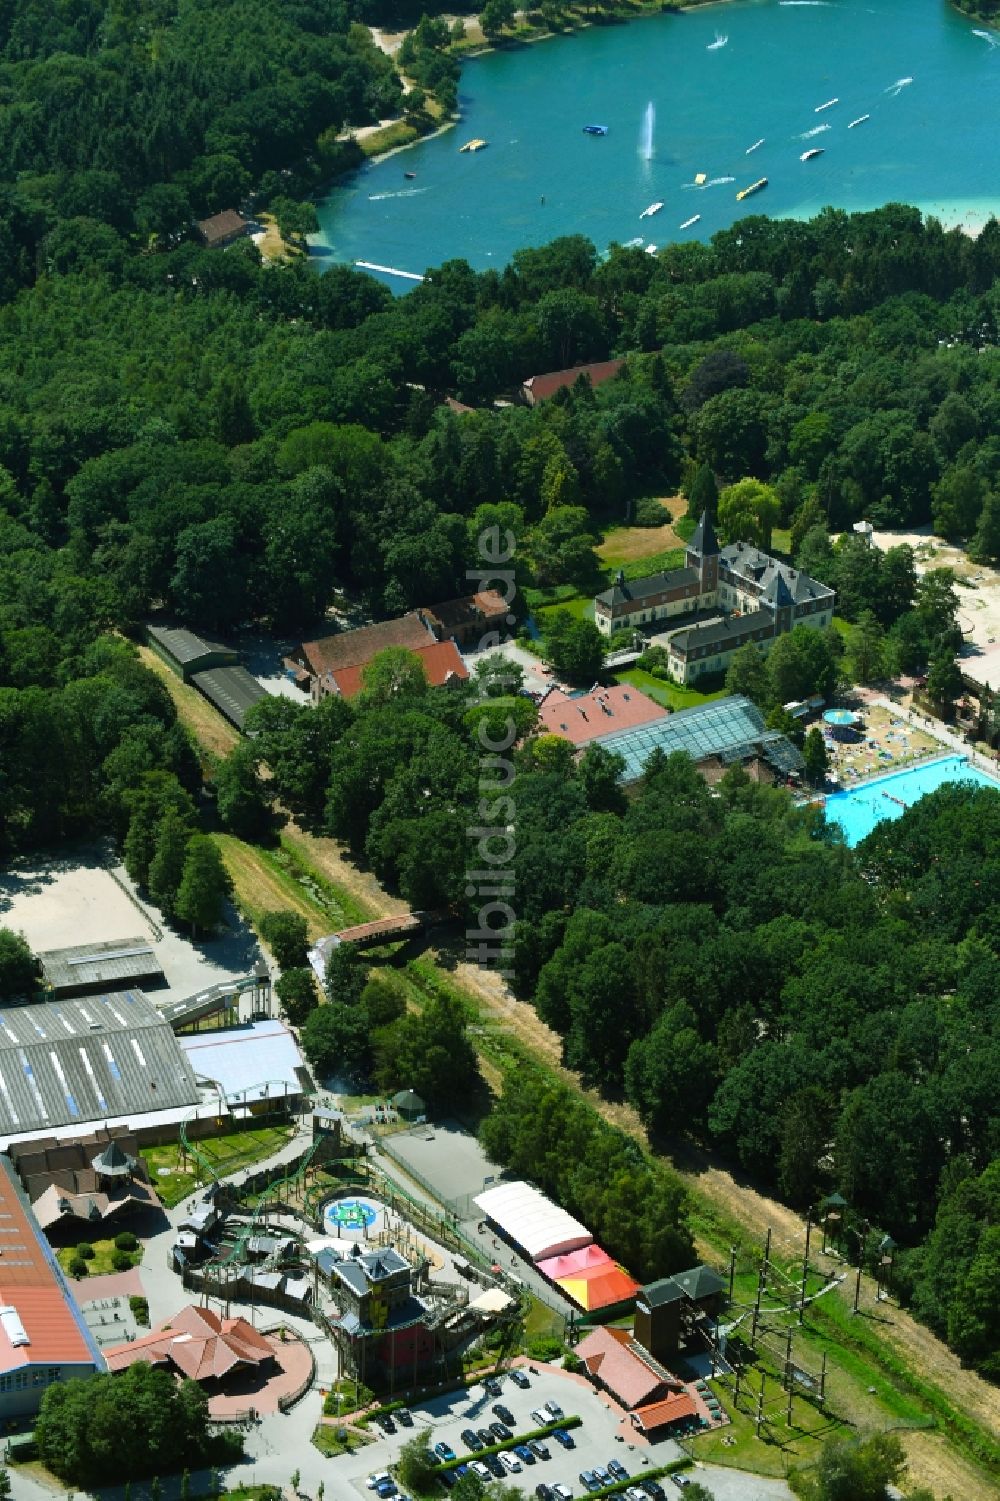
(443,1418)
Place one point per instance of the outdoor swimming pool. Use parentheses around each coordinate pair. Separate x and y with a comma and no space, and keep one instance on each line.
(859,810)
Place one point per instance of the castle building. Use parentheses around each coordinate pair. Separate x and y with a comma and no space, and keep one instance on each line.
(746,595)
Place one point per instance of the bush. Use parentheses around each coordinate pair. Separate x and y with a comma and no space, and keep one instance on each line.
(126,1241)
(649,512)
(78,1267)
(85,1250)
(544,1346)
(121,1261)
(139,1309)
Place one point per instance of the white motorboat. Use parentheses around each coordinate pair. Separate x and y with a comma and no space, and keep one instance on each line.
(654,208)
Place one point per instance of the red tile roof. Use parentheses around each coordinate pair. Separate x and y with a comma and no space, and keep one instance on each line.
(356,648)
(596,713)
(656,1414)
(31,1286)
(441,661)
(541,387)
(198,1342)
(609,1355)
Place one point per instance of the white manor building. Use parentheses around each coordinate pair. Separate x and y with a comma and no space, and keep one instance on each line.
(751,597)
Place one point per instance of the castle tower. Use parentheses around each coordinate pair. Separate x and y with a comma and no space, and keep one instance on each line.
(703,553)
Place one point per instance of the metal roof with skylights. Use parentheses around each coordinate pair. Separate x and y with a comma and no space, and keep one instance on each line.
(93,1058)
(727,727)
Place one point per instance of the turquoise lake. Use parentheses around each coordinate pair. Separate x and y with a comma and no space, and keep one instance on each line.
(932,141)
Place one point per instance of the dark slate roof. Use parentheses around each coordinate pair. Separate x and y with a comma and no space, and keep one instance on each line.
(636,590)
(699,1282)
(113,1162)
(742,558)
(184,645)
(703,539)
(728,632)
(231,689)
(659,1294)
(777,592)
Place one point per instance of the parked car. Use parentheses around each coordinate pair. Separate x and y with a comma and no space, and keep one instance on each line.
(504,1414)
(520,1379)
(510,1462)
(681,1480)
(385,1422)
(617,1469)
(523,1452)
(491,1386)
(479,1469)
(471,1439)
(554,1410)
(385,1490)
(654,1488)
(379,1478)
(501,1432)
(405,1417)
(492,1463)
(486,1438)
(635,1493)
(544,1492)
(445,1451)
(540,1450)
(562,1437)
(589,1480)
(448,1478)
(540,1418)
(562,1492)
(602,1474)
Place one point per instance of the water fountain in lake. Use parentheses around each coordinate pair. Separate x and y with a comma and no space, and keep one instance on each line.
(646,134)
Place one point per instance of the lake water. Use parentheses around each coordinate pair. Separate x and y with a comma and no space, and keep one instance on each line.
(932,141)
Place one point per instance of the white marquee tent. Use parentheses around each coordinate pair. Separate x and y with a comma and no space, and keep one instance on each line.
(526,1217)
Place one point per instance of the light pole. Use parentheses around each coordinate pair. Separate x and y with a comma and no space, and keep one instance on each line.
(862,1236)
(887,1248)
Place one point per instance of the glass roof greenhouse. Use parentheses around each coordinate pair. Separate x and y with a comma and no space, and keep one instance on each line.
(730,728)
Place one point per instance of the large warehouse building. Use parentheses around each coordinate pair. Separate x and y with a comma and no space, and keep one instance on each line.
(43,1337)
(90,1059)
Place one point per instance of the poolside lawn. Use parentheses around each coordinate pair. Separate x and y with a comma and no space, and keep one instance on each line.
(888,744)
(670,695)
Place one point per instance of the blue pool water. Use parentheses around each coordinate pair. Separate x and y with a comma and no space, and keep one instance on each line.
(859,810)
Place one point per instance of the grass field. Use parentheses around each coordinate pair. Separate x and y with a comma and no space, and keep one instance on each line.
(227,1154)
(668,694)
(630,544)
(101,1260)
(271,880)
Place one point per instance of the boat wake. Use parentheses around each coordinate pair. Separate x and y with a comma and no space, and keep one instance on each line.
(804,2)
(895,88)
(987,36)
(720,41)
(761,141)
(714,182)
(403,193)
(817,130)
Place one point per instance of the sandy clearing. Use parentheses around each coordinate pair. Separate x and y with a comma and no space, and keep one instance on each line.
(979,595)
(628,543)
